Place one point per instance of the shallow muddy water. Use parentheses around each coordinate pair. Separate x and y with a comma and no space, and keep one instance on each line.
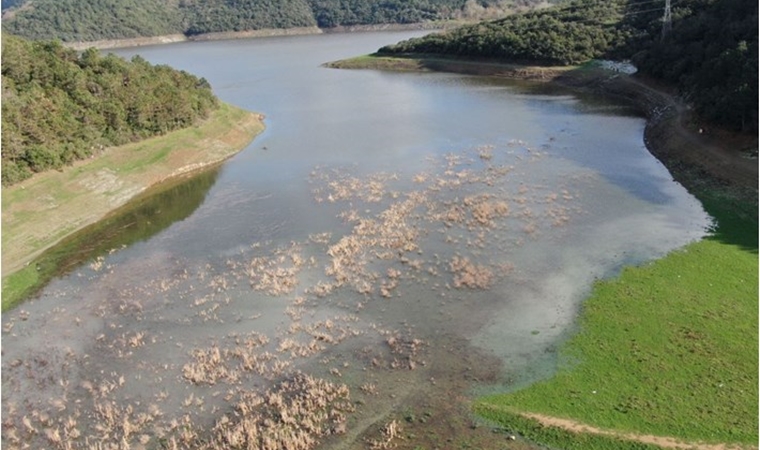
(391,242)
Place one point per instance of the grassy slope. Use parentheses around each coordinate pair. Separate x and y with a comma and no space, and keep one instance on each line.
(40,211)
(670,348)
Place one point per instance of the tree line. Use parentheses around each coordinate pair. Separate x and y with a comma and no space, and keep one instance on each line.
(710,52)
(59,106)
(92,20)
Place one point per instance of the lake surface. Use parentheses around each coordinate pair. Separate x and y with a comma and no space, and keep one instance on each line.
(390,237)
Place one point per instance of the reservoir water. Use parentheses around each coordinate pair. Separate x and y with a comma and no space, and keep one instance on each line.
(390,242)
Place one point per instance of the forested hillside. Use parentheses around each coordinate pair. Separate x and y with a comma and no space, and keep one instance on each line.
(712,55)
(77,20)
(562,35)
(59,106)
(710,52)
(210,16)
(91,20)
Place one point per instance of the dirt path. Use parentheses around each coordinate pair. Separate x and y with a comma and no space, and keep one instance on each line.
(662,441)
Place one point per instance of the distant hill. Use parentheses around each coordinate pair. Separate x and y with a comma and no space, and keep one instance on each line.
(710,52)
(59,106)
(91,20)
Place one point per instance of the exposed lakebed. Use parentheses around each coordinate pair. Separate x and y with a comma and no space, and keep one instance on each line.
(389,234)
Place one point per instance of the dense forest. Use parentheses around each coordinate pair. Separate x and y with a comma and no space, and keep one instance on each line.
(710,51)
(59,106)
(91,20)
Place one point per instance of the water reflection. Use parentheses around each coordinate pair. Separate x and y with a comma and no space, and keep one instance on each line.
(138,220)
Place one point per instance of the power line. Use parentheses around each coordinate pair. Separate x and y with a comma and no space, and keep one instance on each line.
(618,15)
(667,24)
(589,21)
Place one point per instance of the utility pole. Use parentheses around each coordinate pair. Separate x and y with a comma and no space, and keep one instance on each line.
(666,21)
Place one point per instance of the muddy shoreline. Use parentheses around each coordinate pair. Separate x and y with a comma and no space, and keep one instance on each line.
(702,157)
(248,34)
(699,155)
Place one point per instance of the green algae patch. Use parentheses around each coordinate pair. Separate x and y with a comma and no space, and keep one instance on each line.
(668,349)
(438,63)
(378,63)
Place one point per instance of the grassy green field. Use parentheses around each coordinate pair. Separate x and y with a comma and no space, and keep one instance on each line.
(19,285)
(668,349)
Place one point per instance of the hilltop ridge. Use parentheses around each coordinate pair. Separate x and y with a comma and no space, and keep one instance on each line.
(97,20)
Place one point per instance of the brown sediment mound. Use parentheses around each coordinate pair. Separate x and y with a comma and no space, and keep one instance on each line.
(275,273)
(467,274)
(212,365)
(485,209)
(406,348)
(392,227)
(389,433)
(341,186)
(293,415)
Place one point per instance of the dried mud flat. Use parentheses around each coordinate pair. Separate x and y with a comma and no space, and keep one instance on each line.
(356,337)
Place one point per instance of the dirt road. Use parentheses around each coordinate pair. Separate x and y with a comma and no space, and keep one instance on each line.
(660,441)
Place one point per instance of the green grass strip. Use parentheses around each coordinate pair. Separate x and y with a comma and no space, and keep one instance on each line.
(19,285)
(669,349)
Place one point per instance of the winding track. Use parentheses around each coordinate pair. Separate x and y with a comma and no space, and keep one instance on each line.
(661,441)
